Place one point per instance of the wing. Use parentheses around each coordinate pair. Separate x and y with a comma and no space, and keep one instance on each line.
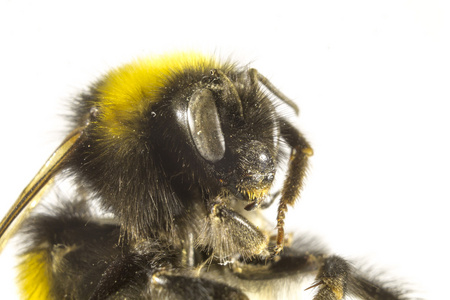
(33,192)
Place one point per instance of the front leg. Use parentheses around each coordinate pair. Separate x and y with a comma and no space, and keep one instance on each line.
(298,164)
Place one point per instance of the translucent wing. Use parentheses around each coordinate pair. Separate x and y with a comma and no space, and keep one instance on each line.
(33,192)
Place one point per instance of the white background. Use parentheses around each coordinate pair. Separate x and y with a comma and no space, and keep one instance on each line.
(371,79)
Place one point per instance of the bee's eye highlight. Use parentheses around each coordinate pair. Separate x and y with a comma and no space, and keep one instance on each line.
(204,125)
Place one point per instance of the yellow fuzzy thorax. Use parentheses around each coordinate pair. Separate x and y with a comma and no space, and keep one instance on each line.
(128,91)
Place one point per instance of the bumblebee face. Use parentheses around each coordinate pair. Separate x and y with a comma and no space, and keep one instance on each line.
(230,125)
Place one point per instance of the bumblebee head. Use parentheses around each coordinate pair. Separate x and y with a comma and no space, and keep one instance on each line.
(233,129)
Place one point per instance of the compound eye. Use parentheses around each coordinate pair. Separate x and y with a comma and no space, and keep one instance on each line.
(204,125)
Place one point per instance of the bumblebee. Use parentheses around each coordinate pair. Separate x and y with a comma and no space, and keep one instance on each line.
(181,153)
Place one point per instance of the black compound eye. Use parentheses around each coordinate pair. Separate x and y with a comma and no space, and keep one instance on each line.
(204,125)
